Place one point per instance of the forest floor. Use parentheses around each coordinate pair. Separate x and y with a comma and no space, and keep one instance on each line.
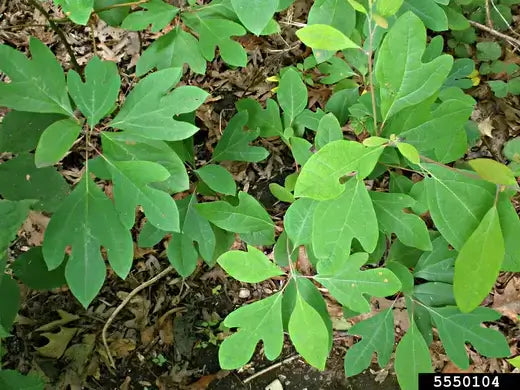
(167,336)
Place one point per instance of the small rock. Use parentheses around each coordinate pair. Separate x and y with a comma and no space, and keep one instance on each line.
(274,385)
(244,293)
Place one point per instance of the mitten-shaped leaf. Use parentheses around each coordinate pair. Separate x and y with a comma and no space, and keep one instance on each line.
(85,221)
(378,336)
(251,266)
(257,321)
(149,109)
(248,216)
(336,222)
(234,144)
(157,13)
(267,121)
(172,50)
(321,174)
(349,284)
(404,80)
(457,203)
(456,329)
(478,263)
(409,228)
(37,85)
(98,95)
(132,188)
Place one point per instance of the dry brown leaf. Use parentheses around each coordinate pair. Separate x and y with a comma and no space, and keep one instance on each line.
(486,127)
(122,347)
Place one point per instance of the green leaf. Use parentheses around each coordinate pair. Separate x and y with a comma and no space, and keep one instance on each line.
(215,32)
(10,302)
(435,294)
(409,152)
(329,130)
(511,148)
(123,146)
(182,254)
(132,188)
(31,269)
(478,263)
(515,362)
(199,230)
(85,221)
(267,121)
(409,228)
(440,133)
(257,321)
(20,131)
(20,179)
(432,15)
(234,144)
(149,108)
(488,51)
(250,267)
(14,380)
(456,329)
(309,334)
(114,16)
(158,13)
(338,221)
(98,95)
(499,88)
(493,171)
(334,13)
(249,216)
(320,176)
(337,70)
(437,265)
(301,150)
(325,37)
(298,221)
(218,179)
(77,10)
(349,284)
(55,142)
(172,50)
(281,193)
(377,334)
(292,95)
(255,14)
(411,358)
(408,81)
(510,225)
(388,7)
(37,85)
(149,236)
(12,215)
(457,203)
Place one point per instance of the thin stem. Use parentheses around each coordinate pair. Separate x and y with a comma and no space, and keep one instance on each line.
(513,41)
(61,35)
(371,66)
(129,4)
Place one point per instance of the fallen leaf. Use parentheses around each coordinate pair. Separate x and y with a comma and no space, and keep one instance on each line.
(57,342)
(486,127)
(65,319)
(122,347)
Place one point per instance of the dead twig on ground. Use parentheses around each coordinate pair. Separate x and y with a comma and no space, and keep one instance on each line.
(267,369)
(513,41)
(132,293)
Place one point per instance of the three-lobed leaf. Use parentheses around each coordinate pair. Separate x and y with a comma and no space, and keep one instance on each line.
(157,13)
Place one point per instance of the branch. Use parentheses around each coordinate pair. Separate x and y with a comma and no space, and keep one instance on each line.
(61,35)
(513,41)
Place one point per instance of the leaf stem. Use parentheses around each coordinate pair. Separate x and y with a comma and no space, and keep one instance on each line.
(129,4)
(60,34)
(371,66)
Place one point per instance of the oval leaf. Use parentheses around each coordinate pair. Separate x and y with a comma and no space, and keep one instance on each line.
(325,37)
(55,142)
(493,171)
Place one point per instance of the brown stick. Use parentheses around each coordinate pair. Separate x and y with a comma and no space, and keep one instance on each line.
(511,40)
